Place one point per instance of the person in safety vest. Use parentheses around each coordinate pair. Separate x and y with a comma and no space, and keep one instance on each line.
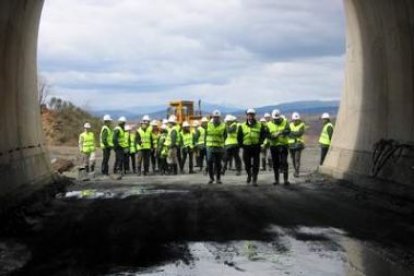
(144,145)
(162,150)
(200,137)
(296,141)
(155,133)
(171,142)
(232,149)
(251,135)
(130,134)
(268,118)
(87,148)
(278,133)
(121,146)
(215,138)
(106,143)
(187,147)
(264,152)
(326,136)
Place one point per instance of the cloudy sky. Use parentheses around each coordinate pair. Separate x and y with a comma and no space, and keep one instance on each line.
(113,54)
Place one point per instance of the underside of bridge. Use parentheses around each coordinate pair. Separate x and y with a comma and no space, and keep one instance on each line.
(377,103)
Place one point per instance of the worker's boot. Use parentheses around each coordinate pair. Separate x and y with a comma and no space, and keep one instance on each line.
(92,168)
(87,169)
(255,179)
(249,177)
(286,177)
(139,171)
(175,169)
(276,178)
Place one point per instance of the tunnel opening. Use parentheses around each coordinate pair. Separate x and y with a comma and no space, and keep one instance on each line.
(97,236)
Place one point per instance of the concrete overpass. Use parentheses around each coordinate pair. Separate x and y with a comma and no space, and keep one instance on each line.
(377,102)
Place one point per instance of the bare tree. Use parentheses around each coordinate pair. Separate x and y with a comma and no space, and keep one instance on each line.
(43,88)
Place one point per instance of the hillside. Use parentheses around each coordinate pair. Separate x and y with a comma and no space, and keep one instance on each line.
(63,122)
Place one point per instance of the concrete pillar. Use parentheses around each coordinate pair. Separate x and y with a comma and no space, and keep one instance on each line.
(24,163)
(378,101)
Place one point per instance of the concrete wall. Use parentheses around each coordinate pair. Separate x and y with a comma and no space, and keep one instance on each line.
(378,101)
(23,158)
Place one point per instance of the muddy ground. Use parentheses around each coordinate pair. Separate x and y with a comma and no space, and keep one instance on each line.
(179,225)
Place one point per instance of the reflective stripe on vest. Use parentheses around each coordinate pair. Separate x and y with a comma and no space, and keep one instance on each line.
(274,128)
(296,128)
(145,139)
(109,138)
(251,135)
(232,136)
(201,137)
(324,138)
(188,139)
(88,142)
(215,135)
(132,142)
(121,138)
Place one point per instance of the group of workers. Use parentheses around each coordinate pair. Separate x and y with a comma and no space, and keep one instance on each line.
(167,145)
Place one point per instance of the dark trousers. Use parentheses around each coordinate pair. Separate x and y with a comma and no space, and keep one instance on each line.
(154,161)
(324,152)
(201,156)
(214,159)
(232,152)
(144,158)
(163,165)
(296,154)
(106,153)
(119,160)
(187,151)
(131,157)
(280,161)
(251,159)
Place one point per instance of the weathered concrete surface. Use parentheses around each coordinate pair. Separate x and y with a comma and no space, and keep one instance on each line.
(23,159)
(378,101)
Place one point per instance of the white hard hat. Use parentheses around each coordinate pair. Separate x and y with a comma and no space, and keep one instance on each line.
(251,111)
(263,120)
(233,118)
(186,124)
(276,114)
(128,127)
(267,115)
(87,125)
(228,118)
(216,113)
(122,119)
(164,121)
(163,126)
(325,116)
(146,118)
(204,120)
(295,116)
(107,117)
(196,124)
(172,119)
(154,123)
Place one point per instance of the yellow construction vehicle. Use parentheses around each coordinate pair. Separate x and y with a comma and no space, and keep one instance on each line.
(184,111)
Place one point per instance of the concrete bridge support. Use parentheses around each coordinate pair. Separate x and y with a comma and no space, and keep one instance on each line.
(24,163)
(378,101)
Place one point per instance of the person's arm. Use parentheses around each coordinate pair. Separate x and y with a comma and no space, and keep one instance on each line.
(116,138)
(105,138)
(263,134)
(196,135)
(174,138)
(225,134)
(151,141)
(330,132)
(240,136)
(287,130)
(138,139)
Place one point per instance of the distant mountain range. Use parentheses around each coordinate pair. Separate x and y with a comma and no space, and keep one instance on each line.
(309,108)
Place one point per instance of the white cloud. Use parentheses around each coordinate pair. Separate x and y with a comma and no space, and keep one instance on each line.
(239,52)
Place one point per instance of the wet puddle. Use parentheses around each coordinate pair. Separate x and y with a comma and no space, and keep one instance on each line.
(304,251)
(120,193)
